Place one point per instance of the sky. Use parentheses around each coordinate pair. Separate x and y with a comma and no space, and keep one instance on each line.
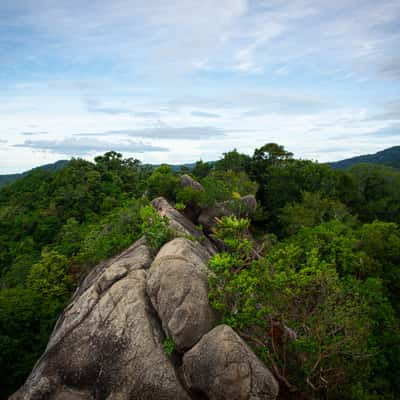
(181,80)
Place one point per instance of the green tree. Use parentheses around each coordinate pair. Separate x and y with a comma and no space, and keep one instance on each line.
(233,161)
(319,330)
(201,169)
(311,211)
(163,182)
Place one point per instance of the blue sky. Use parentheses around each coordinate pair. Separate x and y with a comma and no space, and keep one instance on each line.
(179,80)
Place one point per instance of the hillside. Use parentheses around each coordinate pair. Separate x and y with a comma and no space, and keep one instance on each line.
(389,157)
(274,231)
(4,179)
(10,178)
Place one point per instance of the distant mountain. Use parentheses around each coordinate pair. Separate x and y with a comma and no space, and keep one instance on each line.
(174,167)
(4,179)
(389,157)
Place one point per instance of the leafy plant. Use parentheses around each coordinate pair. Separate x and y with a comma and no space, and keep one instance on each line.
(169,345)
(180,206)
(155,227)
(312,327)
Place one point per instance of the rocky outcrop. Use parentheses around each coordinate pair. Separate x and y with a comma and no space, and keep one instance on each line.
(108,343)
(188,181)
(223,367)
(177,286)
(180,224)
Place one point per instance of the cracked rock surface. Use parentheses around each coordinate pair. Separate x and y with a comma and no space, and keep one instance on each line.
(108,343)
(177,286)
(222,367)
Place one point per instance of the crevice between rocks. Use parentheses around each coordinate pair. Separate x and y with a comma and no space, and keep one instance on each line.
(176,358)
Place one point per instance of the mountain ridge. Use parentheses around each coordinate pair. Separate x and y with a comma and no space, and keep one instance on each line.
(389,157)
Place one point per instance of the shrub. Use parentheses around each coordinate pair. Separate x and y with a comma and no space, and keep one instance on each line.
(309,325)
(155,228)
(168,346)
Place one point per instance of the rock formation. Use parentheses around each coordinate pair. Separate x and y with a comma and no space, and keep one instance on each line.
(108,343)
(223,367)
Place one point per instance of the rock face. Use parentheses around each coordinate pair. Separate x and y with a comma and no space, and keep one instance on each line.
(188,181)
(177,286)
(108,343)
(222,367)
(180,224)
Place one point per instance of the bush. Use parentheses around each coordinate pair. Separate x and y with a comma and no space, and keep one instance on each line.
(312,327)
(155,228)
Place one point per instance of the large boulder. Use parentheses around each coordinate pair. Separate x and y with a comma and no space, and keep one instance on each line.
(178,288)
(188,181)
(108,342)
(221,366)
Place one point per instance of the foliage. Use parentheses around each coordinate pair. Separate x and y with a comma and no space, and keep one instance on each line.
(311,211)
(53,228)
(376,194)
(162,182)
(201,169)
(106,237)
(154,227)
(180,206)
(318,330)
(50,276)
(169,346)
(233,161)
(220,186)
(316,295)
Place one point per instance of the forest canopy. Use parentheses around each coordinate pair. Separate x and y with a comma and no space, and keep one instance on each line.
(319,261)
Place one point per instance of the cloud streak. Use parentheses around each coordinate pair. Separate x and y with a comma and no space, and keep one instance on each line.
(86,146)
(164,132)
(196,78)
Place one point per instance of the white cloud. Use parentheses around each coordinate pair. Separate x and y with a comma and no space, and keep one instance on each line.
(86,146)
(233,73)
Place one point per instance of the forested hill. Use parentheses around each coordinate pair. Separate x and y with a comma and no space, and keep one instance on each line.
(47,167)
(389,157)
(320,259)
(10,178)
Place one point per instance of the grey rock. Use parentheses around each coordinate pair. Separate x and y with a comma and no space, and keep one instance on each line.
(178,288)
(249,203)
(108,341)
(188,181)
(222,366)
(180,224)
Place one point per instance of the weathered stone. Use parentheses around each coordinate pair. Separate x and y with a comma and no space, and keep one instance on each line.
(249,203)
(188,181)
(108,342)
(180,224)
(177,286)
(222,366)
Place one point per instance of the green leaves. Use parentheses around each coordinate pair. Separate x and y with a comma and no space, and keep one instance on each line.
(162,182)
(154,227)
(308,318)
(49,276)
(169,346)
